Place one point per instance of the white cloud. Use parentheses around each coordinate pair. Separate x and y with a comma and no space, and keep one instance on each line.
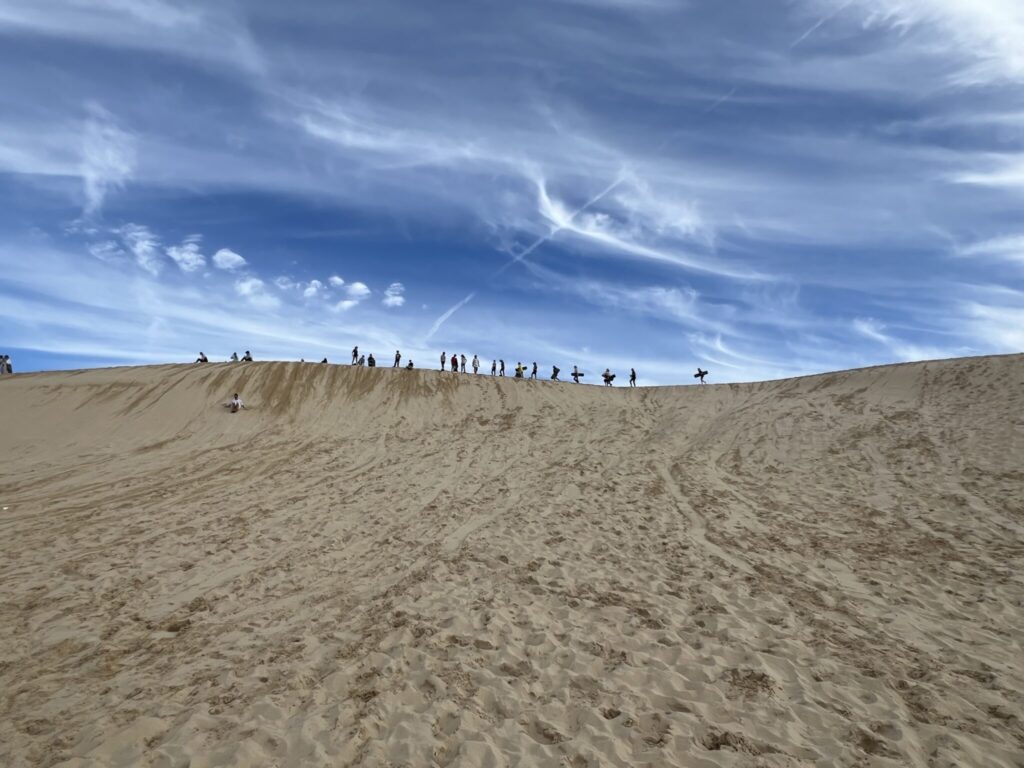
(107,157)
(335,281)
(227,259)
(187,255)
(358,291)
(254,291)
(1008,248)
(108,251)
(285,283)
(144,246)
(394,295)
(313,289)
(345,305)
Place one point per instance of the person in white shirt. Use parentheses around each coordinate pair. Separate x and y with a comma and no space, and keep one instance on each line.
(236,404)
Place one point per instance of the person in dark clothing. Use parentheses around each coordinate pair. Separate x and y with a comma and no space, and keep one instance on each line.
(201,359)
(443,360)
(501,371)
(700,374)
(632,377)
(409,366)
(576,374)
(608,377)
(323,361)
(494,367)
(462,360)
(455,363)
(355,355)
(370,361)
(361,360)
(533,373)
(247,357)
(398,358)
(554,372)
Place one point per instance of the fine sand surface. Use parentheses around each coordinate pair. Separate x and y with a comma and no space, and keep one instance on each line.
(392,568)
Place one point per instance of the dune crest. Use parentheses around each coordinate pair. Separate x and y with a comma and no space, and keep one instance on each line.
(407,568)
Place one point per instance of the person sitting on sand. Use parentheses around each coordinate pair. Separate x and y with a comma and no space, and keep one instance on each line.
(608,377)
(409,366)
(554,372)
(201,359)
(236,404)
(247,357)
(234,357)
(361,360)
(700,374)
(370,361)
(324,361)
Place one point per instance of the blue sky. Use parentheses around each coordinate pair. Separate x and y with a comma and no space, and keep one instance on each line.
(764,189)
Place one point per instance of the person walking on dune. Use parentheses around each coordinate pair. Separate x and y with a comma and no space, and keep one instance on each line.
(700,374)
(632,377)
(533,373)
(476,365)
(355,354)
(444,359)
(398,358)
(501,370)
(201,359)
(576,374)
(554,372)
(462,359)
(608,377)
(494,367)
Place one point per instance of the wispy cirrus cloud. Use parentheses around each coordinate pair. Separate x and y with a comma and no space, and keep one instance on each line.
(108,157)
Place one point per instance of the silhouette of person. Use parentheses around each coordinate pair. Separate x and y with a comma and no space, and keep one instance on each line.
(576,374)
(322,361)
(455,363)
(632,377)
(443,359)
(200,359)
(462,359)
(533,373)
(369,361)
(501,371)
(608,377)
(700,374)
(554,372)
(234,357)
(355,355)
(494,367)
(409,366)
(247,357)
(476,364)
(398,358)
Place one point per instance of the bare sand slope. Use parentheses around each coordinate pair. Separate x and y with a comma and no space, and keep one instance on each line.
(385,568)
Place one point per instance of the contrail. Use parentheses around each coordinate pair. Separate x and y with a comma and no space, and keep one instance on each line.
(526,252)
(440,321)
(814,28)
(721,101)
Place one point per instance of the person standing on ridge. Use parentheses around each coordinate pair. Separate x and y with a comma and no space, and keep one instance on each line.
(494,367)
(462,359)
(520,370)
(576,374)
(398,358)
(501,371)
(608,377)
(355,354)
(533,373)
(476,365)
(444,358)
(700,374)
(632,377)
(455,363)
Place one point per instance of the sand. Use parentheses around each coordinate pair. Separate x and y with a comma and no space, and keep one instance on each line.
(392,568)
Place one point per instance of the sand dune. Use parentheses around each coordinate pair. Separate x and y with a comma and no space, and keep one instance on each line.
(391,568)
